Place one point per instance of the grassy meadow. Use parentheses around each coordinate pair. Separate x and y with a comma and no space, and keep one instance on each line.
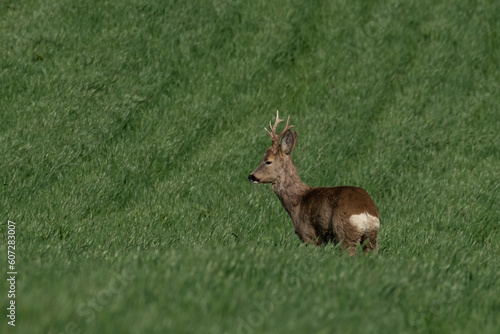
(128,130)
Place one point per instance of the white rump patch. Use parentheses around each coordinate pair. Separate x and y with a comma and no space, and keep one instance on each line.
(365,222)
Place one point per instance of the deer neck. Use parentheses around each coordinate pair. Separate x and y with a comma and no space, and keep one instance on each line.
(290,189)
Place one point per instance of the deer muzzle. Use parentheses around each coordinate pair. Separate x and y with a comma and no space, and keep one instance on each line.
(253,179)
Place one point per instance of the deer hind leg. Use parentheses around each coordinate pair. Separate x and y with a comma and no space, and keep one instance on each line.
(351,243)
(350,239)
(369,241)
(350,247)
(347,234)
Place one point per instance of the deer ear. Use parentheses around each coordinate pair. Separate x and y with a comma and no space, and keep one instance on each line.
(289,141)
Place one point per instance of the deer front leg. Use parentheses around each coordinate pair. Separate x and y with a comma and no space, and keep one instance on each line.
(307,235)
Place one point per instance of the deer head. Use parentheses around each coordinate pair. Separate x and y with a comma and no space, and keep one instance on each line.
(277,158)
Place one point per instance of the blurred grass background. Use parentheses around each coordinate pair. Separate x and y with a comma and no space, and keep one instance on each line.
(128,130)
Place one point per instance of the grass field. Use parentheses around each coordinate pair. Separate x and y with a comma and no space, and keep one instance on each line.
(128,130)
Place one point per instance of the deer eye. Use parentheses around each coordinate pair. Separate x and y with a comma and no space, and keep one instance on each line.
(268,162)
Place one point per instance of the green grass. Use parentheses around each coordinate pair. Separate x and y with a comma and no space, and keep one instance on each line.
(128,130)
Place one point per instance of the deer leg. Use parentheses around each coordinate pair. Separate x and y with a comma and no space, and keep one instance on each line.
(370,241)
(307,234)
(365,242)
(350,244)
(373,240)
(350,237)
(350,247)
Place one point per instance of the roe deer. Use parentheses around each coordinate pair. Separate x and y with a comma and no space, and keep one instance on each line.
(319,215)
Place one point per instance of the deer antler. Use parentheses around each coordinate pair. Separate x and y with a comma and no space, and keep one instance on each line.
(274,137)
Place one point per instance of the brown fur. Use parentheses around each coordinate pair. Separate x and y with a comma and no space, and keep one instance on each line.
(319,215)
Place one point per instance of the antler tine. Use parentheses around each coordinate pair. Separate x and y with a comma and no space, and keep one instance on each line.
(287,127)
(270,127)
(273,128)
(278,121)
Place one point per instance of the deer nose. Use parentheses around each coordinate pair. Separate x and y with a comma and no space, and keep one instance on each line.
(253,179)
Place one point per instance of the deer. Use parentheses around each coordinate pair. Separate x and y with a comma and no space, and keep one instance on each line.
(344,215)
